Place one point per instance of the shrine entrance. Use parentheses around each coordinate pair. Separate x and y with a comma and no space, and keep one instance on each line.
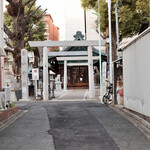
(80,75)
(89,58)
(77,76)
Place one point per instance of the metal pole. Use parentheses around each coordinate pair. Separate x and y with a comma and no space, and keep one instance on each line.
(107,58)
(100,60)
(117,28)
(110,41)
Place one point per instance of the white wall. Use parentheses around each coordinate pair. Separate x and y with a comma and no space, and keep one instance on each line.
(91,26)
(136,73)
(74,18)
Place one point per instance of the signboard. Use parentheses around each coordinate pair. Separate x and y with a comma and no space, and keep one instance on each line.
(31,59)
(35,74)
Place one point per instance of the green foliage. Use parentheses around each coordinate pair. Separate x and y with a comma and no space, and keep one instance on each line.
(131,14)
(88,3)
(39,25)
(12,105)
(56,50)
(8,20)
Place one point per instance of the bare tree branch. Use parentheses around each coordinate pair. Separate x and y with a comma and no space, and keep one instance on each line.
(29,36)
(30,9)
(26,41)
(35,11)
(9,50)
(8,32)
(102,36)
(11,2)
(29,1)
(18,13)
(20,3)
(29,32)
(40,16)
(7,43)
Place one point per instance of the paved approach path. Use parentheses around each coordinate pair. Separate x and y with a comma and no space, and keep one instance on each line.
(29,132)
(66,125)
(72,95)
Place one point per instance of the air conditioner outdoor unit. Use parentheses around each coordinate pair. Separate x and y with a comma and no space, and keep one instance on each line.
(2,101)
(7,91)
(5,97)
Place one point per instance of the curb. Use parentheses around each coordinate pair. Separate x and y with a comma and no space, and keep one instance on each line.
(137,121)
(7,113)
(5,123)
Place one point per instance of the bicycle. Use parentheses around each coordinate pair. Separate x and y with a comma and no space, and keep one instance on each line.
(107,98)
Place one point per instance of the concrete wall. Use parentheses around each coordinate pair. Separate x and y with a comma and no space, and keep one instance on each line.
(136,73)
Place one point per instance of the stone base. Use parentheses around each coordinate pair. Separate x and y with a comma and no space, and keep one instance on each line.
(58,86)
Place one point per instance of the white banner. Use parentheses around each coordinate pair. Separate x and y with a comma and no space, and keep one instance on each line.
(35,74)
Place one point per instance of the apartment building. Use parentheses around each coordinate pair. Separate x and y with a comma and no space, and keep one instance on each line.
(52,31)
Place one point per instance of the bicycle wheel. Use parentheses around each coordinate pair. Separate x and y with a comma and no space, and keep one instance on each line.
(105,98)
(109,101)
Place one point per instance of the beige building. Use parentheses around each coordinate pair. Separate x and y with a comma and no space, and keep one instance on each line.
(77,19)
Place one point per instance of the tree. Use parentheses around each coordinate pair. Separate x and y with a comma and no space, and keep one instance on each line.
(132,13)
(22,21)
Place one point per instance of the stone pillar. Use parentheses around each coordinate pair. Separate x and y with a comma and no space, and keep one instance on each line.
(45,73)
(24,73)
(65,75)
(91,75)
(58,83)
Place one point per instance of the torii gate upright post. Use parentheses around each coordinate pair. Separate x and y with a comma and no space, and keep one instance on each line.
(91,75)
(45,73)
(65,75)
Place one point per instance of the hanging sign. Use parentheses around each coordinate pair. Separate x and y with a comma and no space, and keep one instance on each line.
(35,74)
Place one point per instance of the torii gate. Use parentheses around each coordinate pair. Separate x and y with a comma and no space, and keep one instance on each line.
(46,44)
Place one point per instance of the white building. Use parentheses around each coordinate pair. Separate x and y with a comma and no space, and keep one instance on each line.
(76,19)
(136,73)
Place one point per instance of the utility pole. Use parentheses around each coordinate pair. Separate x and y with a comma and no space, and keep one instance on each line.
(117,28)
(110,41)
(100,60)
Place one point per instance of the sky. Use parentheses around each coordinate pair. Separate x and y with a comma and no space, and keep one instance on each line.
(56,9)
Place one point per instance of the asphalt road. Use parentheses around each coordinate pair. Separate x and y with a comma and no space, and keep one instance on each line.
(70,125)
